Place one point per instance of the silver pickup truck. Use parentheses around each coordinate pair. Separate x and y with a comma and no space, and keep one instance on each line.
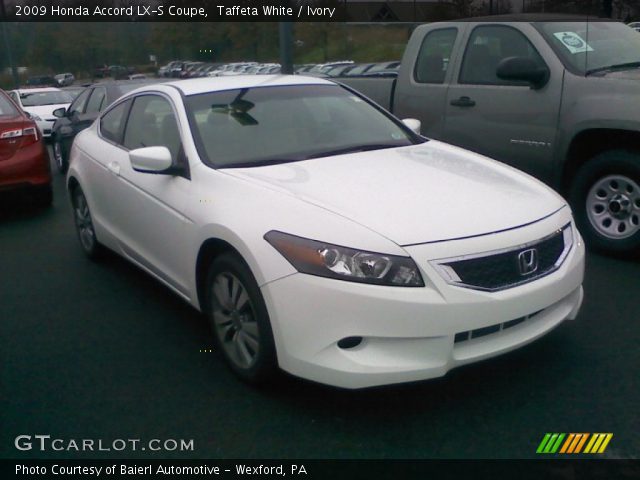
(556,97)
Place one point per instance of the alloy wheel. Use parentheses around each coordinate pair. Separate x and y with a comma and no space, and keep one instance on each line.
(234,320)
(83,222)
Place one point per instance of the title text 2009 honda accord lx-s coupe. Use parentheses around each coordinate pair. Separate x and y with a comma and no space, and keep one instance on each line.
(321,235)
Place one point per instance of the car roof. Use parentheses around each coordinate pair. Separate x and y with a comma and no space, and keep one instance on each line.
(212,84)
(37,89)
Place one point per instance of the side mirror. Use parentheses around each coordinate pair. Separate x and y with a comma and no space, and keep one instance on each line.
(413,123)
(151,160)
(60,112)
(523,69)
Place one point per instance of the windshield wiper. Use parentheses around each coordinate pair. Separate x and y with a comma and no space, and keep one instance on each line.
(354,149)
(328,153)
(262,163)
(619,66)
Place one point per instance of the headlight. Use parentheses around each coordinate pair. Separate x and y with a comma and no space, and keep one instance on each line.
(35,117)
(333,261)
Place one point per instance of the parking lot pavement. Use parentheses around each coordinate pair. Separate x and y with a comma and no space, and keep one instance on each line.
(101,351)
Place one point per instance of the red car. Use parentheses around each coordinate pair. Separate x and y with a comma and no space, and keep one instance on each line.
(24,160)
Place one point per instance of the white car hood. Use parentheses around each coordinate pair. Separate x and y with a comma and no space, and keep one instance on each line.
(45,111)
(417,194)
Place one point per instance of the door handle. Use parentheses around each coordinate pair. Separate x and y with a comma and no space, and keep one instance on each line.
(114,167)
(463,102)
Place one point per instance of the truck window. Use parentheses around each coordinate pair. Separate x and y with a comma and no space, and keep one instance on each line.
(433,59)
(487,47)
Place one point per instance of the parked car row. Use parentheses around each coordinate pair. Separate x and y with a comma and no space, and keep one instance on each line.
(117,72)
(345,68)
(351,69)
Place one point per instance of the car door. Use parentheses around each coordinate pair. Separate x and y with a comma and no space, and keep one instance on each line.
(509,121)
(151,207)
(66,128)
(422,88)
(81,119)
(104,155)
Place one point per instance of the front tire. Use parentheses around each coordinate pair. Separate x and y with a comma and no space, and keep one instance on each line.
(238,317)
(605,196)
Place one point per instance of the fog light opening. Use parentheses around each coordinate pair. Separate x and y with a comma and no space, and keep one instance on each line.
(349,342)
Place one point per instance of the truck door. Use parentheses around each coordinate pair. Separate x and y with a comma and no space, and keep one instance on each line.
(505,120)
(425,74)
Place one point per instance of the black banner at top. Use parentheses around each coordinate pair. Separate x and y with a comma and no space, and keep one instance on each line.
(175,10)
(412,11)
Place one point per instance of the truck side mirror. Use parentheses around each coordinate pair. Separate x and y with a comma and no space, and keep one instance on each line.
(413,123)
(523,69)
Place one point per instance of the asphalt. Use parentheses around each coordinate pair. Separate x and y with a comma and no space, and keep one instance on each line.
(102,351)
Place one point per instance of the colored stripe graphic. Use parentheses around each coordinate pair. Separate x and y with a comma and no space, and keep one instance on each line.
(581,443)
(544,441)
(567,443)
(550,443)
(574,443)
(598,443)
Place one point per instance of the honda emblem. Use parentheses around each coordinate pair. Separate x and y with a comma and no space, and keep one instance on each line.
(528,261)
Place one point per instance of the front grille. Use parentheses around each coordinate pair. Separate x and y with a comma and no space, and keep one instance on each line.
(508,268)
(499,327)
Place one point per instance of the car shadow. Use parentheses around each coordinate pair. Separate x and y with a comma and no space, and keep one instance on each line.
(17,207)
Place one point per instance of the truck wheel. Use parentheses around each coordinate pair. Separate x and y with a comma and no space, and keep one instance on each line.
(605,196)
(238,317)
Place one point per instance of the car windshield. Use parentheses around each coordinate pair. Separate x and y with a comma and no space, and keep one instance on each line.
(269,125)
(35,99)
(593,46)
(7,107)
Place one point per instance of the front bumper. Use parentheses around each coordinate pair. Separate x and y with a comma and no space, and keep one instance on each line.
(409,334)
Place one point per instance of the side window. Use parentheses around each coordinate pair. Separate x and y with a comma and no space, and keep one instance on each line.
(152,123)
(78,104)
(111,122)
(487,47)
(96,101)
(434,55)
(14,97)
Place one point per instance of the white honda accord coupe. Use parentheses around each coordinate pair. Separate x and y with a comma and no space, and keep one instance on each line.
(319,234)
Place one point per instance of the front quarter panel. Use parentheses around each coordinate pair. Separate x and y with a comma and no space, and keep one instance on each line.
(241,213)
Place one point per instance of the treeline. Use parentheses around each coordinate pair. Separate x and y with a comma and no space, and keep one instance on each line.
(79,47)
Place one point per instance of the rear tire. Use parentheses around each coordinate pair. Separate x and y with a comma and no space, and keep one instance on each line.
(84,225)
(605,196)
(239,319)
(60,157)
